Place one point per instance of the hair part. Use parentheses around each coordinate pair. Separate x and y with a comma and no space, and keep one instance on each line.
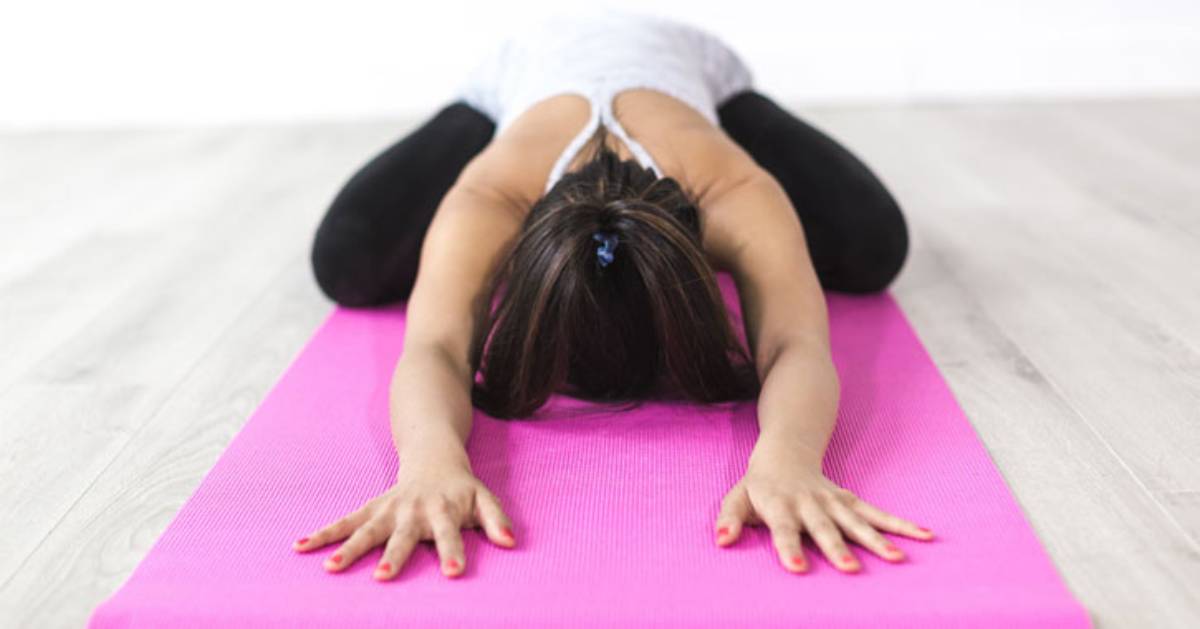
(652,323)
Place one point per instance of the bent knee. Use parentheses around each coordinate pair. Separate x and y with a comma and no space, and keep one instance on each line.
(875,256)
(348,269)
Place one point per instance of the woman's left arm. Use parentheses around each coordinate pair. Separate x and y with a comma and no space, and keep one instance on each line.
(787,330)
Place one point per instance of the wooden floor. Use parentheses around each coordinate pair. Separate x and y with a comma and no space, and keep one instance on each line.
(155,284)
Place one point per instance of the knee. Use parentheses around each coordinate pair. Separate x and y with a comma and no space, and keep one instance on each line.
(872,259)
(347,267)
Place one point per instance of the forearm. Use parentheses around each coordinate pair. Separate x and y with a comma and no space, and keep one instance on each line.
(430,403)
(797,405)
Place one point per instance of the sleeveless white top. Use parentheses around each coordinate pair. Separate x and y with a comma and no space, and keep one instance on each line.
(598,53)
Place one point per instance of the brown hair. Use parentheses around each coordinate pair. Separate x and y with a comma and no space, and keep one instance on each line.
(651,322)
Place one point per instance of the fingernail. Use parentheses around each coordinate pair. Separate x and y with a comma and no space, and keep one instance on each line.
(452,564)
(891,548)
(849,561)
(507,532)
(723,531)
(798,561)
(336,558)
(302,541)
(384,568)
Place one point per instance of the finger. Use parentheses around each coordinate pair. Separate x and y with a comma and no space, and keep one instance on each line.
(827,536)
(492,518)
(735,512)
(885,521)
(857,529)
(335,532)
(785,534)
(368,536)
(447,537)
(399,548)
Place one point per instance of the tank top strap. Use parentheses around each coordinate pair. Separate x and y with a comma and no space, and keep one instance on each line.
(609,118)
(601,113)
(560,165)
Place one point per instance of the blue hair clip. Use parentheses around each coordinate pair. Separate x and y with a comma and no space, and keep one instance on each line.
(605,251)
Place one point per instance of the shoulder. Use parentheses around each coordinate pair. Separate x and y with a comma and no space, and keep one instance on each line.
(686,146)
(705,161)
(516,163)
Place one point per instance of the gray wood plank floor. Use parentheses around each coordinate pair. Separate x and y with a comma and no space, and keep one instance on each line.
(154,284)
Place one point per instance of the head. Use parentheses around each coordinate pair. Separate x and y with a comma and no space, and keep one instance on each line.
(640,318)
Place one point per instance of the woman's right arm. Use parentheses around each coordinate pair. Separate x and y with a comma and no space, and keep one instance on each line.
(475,224)
(436,493)
(431,385)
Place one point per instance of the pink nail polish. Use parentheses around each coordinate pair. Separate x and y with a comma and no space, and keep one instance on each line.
(384,568)
(302,541)
(336,558)
(452,564)
(507,532)
(798,561)
(723,531)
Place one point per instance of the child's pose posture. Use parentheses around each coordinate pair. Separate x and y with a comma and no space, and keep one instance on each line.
(568,211)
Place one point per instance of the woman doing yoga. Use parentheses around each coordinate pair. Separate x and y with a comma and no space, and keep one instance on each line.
(557,253)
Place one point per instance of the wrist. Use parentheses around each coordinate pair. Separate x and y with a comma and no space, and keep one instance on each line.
(432,450)
(432,465)
(790,450)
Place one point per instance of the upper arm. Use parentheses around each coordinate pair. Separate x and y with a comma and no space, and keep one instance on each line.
(766,253)
(471,231)
(475,224)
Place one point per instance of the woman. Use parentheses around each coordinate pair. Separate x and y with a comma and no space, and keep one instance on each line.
(558,253)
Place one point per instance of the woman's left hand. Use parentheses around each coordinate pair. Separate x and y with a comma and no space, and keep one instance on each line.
(792,496)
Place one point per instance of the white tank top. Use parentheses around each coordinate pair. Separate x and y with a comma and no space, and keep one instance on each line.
(597,53)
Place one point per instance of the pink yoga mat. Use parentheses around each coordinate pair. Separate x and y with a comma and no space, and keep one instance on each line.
(613,510)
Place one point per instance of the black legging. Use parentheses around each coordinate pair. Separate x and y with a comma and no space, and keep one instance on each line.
(366,248)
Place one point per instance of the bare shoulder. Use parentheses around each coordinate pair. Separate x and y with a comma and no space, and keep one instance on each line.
(704,160)
(517,162)
(686,146)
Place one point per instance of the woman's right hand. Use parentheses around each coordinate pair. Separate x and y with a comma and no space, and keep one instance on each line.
(430,501)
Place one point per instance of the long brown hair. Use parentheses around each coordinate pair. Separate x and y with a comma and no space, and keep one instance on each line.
(649,323)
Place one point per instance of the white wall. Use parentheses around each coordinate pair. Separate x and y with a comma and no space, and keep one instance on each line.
(115,62)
